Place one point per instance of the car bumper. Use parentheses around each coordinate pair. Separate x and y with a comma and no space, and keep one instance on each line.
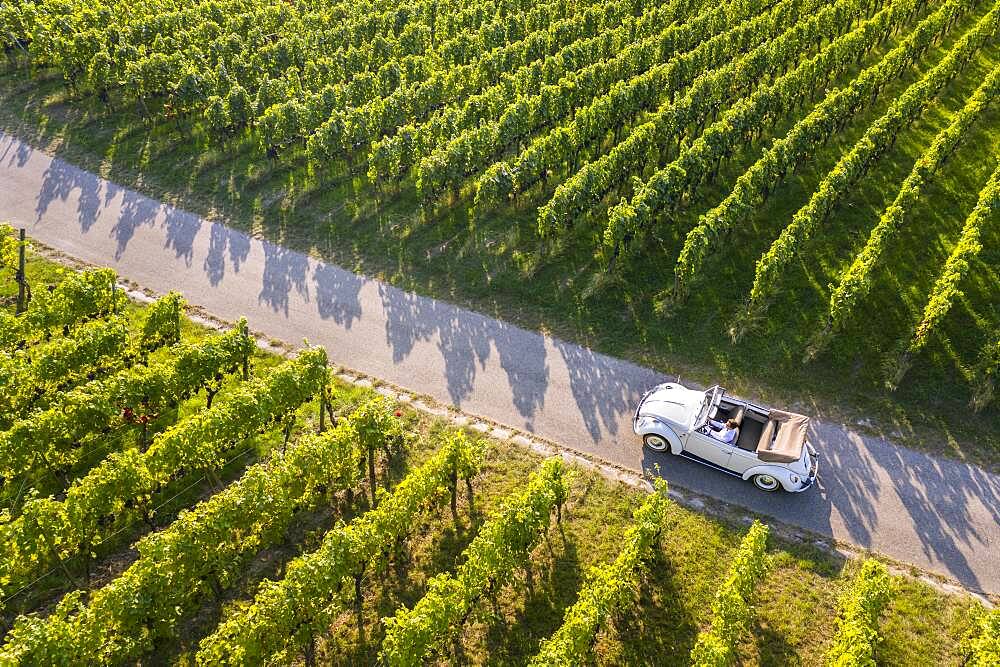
(811,479)
(804,484)
(638,409)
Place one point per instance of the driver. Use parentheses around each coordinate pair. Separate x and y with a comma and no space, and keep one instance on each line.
(726,432)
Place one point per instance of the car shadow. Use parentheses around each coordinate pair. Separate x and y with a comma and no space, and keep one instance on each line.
(876,495)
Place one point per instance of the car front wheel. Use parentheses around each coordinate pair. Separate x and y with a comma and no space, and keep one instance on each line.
(767,483)
(655,442)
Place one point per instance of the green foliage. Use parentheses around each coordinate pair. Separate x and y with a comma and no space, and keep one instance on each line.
(216,116)
(987,372)
(238,107)
(556,26)
(471,148)
(9,248)
(34,377)
(698,161)
(982,646)
(392,155)
(856,281)
(286,614)
(814,130)
(49,436)
(29,377)
(608,588)
(78,297)
(503,544)
(379,427)
(209,543)
(161,323)
(732,610)
(857,625)
(686,87)
(380,431)
(947,287)
(862,157)
(125,483)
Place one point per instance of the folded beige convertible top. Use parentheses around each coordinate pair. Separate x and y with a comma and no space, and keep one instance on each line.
(786,445)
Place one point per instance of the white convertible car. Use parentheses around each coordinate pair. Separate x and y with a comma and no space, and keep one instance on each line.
(769,449)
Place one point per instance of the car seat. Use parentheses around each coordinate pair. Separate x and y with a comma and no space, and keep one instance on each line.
(738,418)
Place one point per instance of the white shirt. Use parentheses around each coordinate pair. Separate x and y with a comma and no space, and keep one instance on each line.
(724,433)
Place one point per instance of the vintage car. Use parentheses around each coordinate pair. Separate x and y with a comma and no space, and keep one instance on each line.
(769,449)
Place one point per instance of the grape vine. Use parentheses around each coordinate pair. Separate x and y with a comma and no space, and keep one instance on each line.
(855,282)
(708,76)
(666,189)
(656,29)
(732,609)
(27,377)
(207,543)
(78,297)
(354,127)
(50,530)
(947,287)
(503,544)
(983,645)
(877,139)
(857,624)
(287,614)
(30,377)
(9,247)
(809,134)
(608,588)
(471,150)
(49,437)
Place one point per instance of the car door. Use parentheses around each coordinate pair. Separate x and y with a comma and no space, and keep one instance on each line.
(742,460)
(708,448)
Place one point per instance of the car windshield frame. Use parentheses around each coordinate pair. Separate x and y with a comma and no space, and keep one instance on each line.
(712,397)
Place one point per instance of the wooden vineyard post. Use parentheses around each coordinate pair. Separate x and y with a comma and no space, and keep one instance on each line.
(371,474)
(454,491)
(322,409)
(178,310)
(246,355)
(289,426)
(22,280)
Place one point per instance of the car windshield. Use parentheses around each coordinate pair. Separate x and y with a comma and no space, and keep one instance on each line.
(706,406)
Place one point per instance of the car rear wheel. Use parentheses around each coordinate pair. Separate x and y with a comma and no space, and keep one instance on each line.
(655,442)
(767,483)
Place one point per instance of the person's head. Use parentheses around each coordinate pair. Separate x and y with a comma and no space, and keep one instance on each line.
(732,423)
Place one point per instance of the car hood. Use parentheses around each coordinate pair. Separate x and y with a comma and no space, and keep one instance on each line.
(672,402)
